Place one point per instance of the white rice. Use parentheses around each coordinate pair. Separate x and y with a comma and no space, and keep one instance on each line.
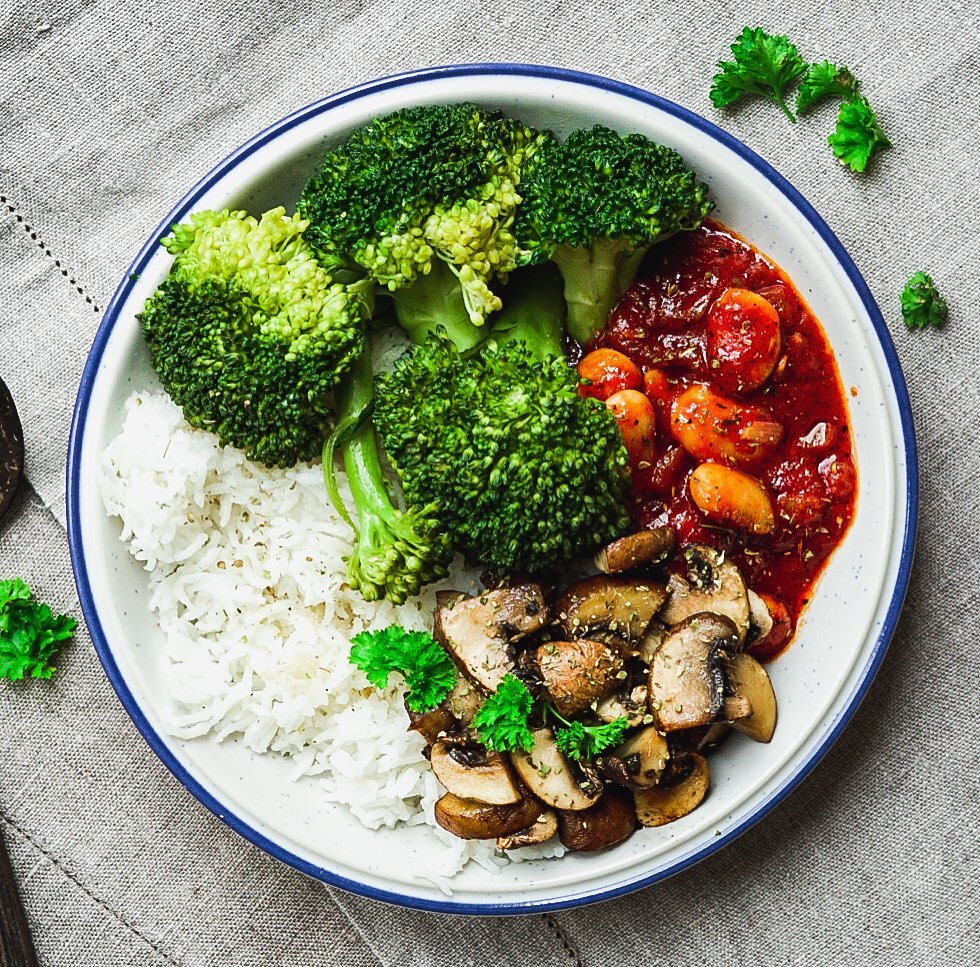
(249,589)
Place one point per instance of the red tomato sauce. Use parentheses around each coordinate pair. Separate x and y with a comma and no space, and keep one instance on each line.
(661,325)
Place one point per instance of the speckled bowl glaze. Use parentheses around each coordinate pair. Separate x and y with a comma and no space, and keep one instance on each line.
(819,681)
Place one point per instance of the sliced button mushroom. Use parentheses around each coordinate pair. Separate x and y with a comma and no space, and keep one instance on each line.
(478,631)
(715,734)
(735,707)
(540,831)
(464,700)
(611,820)
(749,681)
(432,724)
(631,551)
(760,620)
(577,673)
(768,643)
(609,608)
(660,805)
(553,778)
(714,584)
(687,684)
(469,819)
(628,704)
(647,646)
(468,770)
(639,762)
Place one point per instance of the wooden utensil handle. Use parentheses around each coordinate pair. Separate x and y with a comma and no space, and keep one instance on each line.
(16,946)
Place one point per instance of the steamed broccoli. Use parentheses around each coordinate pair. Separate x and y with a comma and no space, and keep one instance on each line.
(420,187)
(249,335)
(526,473)
(595,204)
(397,552)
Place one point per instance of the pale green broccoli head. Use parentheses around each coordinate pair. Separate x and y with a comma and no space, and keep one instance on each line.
(421,184)
(249,335)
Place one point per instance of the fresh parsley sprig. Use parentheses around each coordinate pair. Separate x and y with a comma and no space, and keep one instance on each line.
(825,80)
(769,64)
(428,671)
(858,136)
(922,305)
(30,633)
(579,741)
(503,724)
(502,720)
(761,64)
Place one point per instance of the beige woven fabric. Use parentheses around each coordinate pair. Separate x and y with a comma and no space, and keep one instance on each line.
(110,110)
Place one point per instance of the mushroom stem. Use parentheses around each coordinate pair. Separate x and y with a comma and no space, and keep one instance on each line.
(735,707)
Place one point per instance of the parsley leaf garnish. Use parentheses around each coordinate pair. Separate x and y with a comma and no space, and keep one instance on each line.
(30,633)
(858,136)
(502,719)
(922,305)
(762,64)
(580,741)
(428,671)
(825,80)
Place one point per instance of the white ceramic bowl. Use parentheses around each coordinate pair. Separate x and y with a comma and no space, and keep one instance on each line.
(819,681)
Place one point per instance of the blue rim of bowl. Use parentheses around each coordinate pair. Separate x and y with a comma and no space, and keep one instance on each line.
(122,294)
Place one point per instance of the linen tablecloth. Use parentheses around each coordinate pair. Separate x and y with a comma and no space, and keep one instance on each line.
(109,110)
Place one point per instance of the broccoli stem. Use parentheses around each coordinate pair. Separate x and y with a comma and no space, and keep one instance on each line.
(596,276)
(396,552)
(435,300)
(533,313)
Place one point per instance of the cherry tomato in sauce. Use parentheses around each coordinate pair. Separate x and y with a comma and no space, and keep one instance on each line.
(743,340)
(606,372)
(663,476)
(792,437)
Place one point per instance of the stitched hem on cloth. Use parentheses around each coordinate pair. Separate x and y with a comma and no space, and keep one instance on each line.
(17,828)
(22,221)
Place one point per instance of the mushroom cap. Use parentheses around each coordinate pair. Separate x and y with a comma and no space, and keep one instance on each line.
(469,819)
(749,680)
(634,550)
(468,770)
(628,703)
(577,673)
(433,723)
(687,685)
(714,584)
(552,777)
(648,749)
(478,631)
(609,607)
(611,820)
(540,831)
(660,805)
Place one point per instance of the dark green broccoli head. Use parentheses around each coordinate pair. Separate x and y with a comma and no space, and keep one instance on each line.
(419,184)
(248,334)
(396,552)
(525,472)
(595,203)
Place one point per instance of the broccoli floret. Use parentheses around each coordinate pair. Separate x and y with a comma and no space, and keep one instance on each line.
(421,186)
(526,473)
(249,335)
(397,552)
(595,204)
